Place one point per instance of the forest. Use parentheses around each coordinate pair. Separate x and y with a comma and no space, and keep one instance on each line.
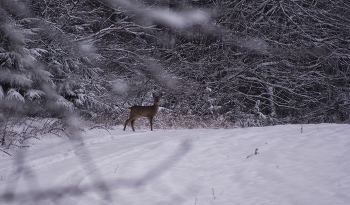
(218,63)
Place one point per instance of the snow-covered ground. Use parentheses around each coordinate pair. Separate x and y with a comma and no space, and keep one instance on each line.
(295,164)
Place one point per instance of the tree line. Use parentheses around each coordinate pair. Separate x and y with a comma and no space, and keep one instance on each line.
(222,63)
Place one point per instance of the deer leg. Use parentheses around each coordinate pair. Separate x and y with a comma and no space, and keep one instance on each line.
(132,124)
(126,123)
(151,122)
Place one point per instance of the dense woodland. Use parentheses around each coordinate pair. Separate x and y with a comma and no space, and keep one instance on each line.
(220,63)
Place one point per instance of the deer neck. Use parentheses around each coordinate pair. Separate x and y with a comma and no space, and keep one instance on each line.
(156,106)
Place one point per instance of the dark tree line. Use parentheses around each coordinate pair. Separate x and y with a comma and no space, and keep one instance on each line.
(292,56)
(241,62)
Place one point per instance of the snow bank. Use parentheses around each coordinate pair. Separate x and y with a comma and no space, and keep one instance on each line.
(294,164)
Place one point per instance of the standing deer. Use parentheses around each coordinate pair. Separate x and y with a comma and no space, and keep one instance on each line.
(143,111)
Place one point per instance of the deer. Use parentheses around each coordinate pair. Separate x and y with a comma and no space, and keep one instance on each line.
(143,111)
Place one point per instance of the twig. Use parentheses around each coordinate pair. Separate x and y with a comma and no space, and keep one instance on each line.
(213,193)
(59,129)
(301,129)
(255,153)
(5,152)
(100,127)
(115,171)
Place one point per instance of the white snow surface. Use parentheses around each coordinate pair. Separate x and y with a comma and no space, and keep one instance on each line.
(295,164)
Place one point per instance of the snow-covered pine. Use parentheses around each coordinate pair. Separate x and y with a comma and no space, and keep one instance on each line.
(62,104)
(17,80)
(32,94)
(13,95)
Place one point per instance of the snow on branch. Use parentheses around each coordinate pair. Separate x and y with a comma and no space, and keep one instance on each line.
(15,79)
(12,94)
(164,16)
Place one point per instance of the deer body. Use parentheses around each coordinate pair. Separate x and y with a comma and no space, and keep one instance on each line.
(143,111)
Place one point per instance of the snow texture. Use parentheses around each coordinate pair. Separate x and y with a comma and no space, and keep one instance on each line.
(285,164)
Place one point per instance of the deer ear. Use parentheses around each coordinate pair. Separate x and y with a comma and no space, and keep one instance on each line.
(161,95)
(154,95)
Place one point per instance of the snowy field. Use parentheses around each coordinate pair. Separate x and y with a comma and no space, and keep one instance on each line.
(294,165)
